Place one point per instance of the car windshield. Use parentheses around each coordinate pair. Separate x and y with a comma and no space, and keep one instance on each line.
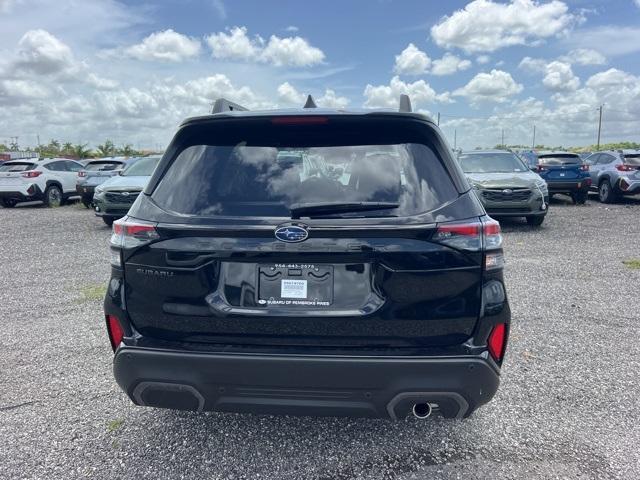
(142,168)
(17,167)
(632,159)
(239,180)
(103,166)
(559,159)
(491,163)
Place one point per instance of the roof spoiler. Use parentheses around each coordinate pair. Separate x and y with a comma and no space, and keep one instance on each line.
(405,104)
(223,105)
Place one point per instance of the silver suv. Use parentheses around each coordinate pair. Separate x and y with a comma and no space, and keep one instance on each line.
(614,173)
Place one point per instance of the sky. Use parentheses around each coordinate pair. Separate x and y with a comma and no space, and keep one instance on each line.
(86,70)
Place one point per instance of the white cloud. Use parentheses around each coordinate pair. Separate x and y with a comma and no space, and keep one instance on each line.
(331,100)
(610,40)
(449,64)
(533,64)
(41,53)
(292,51)
(388,96)
(412,61)
(482,59)
(584,56)
(220,9)
(495,86)
(560,78)
(612,78)
(293,28)
(486,26)
(288,95)
(165,46)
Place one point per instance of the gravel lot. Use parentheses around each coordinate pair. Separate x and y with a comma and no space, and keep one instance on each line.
(567,407)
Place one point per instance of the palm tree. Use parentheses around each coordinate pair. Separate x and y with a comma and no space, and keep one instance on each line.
(67,148)
(127,150)
(80,150)
(107,149)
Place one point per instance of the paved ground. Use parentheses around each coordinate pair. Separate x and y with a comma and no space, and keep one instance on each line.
(567,408)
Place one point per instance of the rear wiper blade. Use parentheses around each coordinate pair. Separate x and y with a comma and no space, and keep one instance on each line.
(299,209)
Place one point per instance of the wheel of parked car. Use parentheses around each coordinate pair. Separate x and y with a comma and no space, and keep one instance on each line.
(605,192)
(8,202)
(536,220)
(108,221)
(580,198)
(53,196)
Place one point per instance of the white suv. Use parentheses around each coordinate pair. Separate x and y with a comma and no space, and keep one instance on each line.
(51,180)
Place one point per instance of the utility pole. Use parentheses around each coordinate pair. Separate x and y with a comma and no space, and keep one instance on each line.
(502,138)
(533,143)
(599,128)
(455,138)
(438,118)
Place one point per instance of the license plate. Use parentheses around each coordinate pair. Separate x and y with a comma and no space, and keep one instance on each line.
(295,285)
(563,174)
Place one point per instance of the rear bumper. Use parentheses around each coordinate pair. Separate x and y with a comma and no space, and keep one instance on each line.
(628,186)
(28,193)
(304,385)
(581,185)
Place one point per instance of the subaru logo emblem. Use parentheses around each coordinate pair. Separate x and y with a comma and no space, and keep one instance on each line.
(292,233)
(507,191)
(125,194)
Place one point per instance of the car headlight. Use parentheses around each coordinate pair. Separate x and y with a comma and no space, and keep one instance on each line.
(99,190)
(542,185)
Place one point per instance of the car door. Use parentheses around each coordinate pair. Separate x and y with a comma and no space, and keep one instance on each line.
(605,163)
(71,175)
(592,161)
(56,171)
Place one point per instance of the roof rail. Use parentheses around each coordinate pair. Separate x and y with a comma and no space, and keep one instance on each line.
(310,103)
(224,105)
(405,104)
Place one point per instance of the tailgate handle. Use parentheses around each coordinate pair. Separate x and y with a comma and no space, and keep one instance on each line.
(189,262)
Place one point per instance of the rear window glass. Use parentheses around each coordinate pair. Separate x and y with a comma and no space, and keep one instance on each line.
(559,159)
(141,168)
(17,167)
(491,163)
(103,166)
(632,159)
(241,180)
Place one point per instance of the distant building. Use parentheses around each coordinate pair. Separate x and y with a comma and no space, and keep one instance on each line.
(5,156)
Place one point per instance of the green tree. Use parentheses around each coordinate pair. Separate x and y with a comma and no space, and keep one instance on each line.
(80,150)
(127,150)
(107,149)
(67,148)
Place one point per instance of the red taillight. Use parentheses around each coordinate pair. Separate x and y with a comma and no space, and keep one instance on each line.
(31,174)
(129,233)
(496,341)
(115,331)
(541,168)
(474,236)
(584,167)
(304,120)
(82,173)
(625,168)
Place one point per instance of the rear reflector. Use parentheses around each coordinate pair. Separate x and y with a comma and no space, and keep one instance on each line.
(114,329)
(496,340)
(304,120)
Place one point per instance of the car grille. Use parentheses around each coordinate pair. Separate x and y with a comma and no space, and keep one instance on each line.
(507,195)
(121,197)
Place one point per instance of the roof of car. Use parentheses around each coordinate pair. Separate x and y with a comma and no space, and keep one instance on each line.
(495,150)
(557,152)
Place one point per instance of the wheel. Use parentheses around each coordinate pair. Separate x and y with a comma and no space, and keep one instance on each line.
(579,198)
(536,220)
(53,196)
(8,202)
(605,192)
(108,221)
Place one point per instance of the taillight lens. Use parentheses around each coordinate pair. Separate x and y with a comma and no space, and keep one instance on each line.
(31,174)
(541,168)
(115,331)
(82,173)
(625,168)
(584,167)
(128,233)
(496,341)
(477,235)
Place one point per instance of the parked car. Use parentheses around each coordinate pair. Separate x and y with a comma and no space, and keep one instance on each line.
(615,173)
(113,197)
(51,180)
(505,185)
(565,172)
(98,171)
(238,286)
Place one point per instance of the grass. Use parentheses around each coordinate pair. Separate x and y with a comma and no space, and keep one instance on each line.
(114,425)
(90,293)
(632,263)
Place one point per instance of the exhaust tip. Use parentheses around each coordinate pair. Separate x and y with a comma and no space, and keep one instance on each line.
(422,410)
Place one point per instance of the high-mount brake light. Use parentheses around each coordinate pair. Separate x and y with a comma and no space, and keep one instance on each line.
(115,331)
(496,341)
(129,233)
(31,174)
(300,120)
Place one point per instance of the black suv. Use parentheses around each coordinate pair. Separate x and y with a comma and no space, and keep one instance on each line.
(311,262)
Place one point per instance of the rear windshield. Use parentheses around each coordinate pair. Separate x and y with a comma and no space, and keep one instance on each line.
(632,159)
(491,163)
(141,168)
(103,166)
(242,180)
(17,167)
(559,159)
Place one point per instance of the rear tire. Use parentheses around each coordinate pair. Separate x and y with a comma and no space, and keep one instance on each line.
(579,198)
(8,202)
(605,192)
(53,196)
(535,221)
(108,221)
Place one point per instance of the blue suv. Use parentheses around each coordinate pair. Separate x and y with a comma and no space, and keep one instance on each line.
(566,173)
